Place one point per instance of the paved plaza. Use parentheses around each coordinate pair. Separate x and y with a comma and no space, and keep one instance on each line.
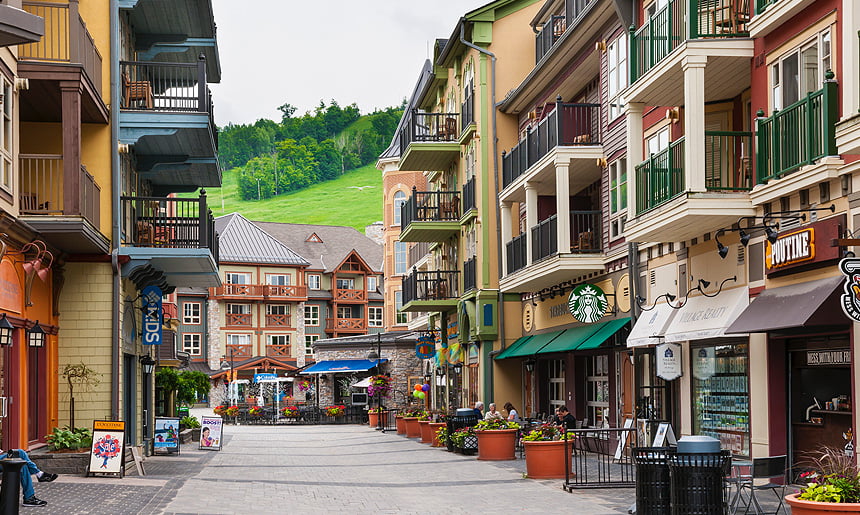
(324,469)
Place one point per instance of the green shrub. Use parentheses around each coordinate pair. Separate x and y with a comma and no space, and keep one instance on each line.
(189,422)
(66,438)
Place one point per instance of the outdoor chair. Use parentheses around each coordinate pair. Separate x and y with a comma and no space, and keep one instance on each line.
(770,469)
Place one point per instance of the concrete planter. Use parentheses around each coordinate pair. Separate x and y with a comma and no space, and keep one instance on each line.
(413,430)
(496,445)
(71,463)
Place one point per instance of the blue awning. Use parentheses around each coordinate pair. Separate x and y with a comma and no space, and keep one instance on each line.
(342,366)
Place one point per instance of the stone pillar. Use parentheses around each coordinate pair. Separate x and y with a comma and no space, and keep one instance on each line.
(562,205)
(214,346)
(694,123)
(635,149)
(531,216)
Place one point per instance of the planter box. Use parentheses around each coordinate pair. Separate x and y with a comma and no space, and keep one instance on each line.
(435,426)
(801,507)
(373,420)
(426,434)
(400,424)
(413,430)
(71,463)
(497,445)
(545,460)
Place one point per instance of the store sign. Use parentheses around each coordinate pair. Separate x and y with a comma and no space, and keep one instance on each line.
(425,347)
(668,361)
(804,246)
(824,358)
(265,376)
(851,298)
(587,303)
(704,363)
(152,313)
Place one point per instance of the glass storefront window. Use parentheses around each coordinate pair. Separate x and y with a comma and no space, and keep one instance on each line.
(721,398)
(597,392)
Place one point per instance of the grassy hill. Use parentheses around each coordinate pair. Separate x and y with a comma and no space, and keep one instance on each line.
(334,202)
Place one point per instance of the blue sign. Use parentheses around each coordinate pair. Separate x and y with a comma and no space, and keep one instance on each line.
(152,315)
(260,377)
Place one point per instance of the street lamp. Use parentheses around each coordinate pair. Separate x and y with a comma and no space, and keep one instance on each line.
(148,363)
(377,355)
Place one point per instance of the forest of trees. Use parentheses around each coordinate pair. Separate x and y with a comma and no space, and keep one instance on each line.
(276,158)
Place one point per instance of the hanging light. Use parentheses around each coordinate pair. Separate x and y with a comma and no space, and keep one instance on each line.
(6,329)
(772,235)
(530,365)
(36,336)
(745,237)
(148,364)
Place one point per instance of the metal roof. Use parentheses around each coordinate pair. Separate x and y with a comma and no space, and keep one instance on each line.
(424,77)
(241,241)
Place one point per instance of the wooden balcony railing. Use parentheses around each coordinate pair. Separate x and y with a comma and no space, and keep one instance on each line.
(278,351)
(44,190)
(516,253)
(429,128)
(470,274)
(277,320)
(239,319)
(341,295)
(566,125)
(169,223)
(276,291)
(261,291)
(66,39)
(239,351)
(431,285)
(346,324)
(170,310)
(430,206)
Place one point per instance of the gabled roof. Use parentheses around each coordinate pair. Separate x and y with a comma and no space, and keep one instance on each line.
(240,241)
(337,242)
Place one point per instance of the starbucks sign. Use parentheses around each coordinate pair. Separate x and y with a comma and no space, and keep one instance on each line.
(587,303)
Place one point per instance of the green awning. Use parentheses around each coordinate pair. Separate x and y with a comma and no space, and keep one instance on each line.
(513,347)
(604,332)
(571,339)
(532,346)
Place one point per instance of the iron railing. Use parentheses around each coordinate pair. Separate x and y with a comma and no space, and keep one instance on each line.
(169,223)
(66,39)
(660,177)
(585,232)
(516,253)
(798,135)
(545,238)
(565,125)
(431,285)
(173,87)
(417,252)
(469,195)
(574,9)
(470,274)
(550,32)
(44,190)
(467,108)
(308,414)
(601,458)
(430,206)
(429,128)
(680,20)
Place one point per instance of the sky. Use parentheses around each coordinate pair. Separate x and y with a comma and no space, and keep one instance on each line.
(284,51)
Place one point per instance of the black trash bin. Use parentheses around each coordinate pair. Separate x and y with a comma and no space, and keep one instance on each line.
(463,418)
(697,482)
(652,480)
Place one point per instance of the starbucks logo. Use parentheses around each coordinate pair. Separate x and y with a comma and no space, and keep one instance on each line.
(587,303)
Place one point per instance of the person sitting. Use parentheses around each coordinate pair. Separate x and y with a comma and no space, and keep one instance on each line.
(479,410)
(493,414)
(564,418)
(27,471)
(513,416)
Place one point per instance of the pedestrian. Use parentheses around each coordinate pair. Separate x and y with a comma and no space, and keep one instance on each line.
(493,414)
(27,471)
(513,416)
(564,418)
(479,410)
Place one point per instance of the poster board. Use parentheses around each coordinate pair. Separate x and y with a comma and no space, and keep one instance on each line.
(166,439)
(664,435)
(210,433)
(628,423)
(107,453)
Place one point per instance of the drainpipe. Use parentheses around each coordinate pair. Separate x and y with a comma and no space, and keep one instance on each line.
(115,208)
(635,311)
(492,56)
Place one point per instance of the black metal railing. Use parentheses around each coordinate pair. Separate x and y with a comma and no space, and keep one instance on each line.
(170,87)
(417,252)
(470,274)
(177,223)
(601,458)
(429,128)
(467,108)
(305,414)
(550,32)
(565,125)
(469,195)
(585,235)
(516,253)
(545,238)
(430,206)
(432,285)
(574,9)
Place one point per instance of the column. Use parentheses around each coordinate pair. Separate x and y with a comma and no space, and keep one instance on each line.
(531,217)
(505,221)
(849,82)
(562,205)
(71,106)
(694,122)
(634,153)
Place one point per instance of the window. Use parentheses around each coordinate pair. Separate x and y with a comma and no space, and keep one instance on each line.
(399,257)
(597,391)
(238,278)
(277,309)
(372,283)
(345,284)
(191,312)
(399,200)
(618,197)
(277,339)
(314,281)
(278,279)
(655,6)
(312,315)
(309,342)
(6,134)
(191,344)
(374,317)
(800,71)
(721,398)
(658,142)
(618,74)
(344,312)
(239,309)
(401,317)
(238,339)
(556,384)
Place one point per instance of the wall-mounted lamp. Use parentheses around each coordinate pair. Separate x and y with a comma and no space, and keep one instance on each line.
(440,372)
(722,250)
(704,284)
(530,365)
(6,329)
(641,300)
(36,336)
(458,367)
(147,363)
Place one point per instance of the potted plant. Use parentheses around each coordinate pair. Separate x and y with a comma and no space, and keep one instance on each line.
(496,439)
(400,423)
(373,417)
(191,423)
(220,410)
(464,440)
(413,430)
(335,410)
(290,411)
(546,450)
(441,437)
(833,485)
(232,411)
(435,427)
(380,386)
(424,428)
(255,411)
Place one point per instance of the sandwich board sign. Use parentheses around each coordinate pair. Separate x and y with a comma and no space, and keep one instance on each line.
(106,454)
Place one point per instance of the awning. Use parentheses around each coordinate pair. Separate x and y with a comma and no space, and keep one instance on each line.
(513,347)
(707,317)
(531,347)
(604,332)
(364,383)
(651,326)
(804,304)
(341,366)
(570,339)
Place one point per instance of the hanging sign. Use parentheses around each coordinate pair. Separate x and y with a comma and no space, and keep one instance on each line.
(851,298)
(210,433)
(805,246)
(166,434)
(152,314)
(668,361)
(265,376)
(106,454)
(704,363)
(587,303)
(425,347)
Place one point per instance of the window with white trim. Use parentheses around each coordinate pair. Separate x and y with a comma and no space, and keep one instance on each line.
(616,53)
(6,133)
(801,70)
(556,384)
(312,315)
(277,339)
(239,309)
(278,279)
(344,312)
(374,316)
(372,282)
(657,143)
(314,281)
(238,278)
(399,200)
(191,312)
(597,391)
(238,339)
(399,257)
(277,309)
(191,343)
(309,342)
(401,317)
(345,284)
(617,197)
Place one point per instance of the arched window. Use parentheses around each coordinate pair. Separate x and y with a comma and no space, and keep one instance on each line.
(399,200)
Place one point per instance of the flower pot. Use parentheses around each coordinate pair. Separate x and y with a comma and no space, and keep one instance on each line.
(496,445)
(400,424)
(373,420)
(435,426)
(424,429)
(412,428)
(801,507)
(545,460)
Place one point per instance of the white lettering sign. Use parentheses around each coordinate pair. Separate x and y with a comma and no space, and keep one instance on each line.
(791,248)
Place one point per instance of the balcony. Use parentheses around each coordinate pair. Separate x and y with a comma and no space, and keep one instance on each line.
(278,351)
(261,292)
(345,325)
(66,211)
(430,216)
(170,238)
(470,274)
(467,108)
(166,113)
(18,27)
(277,320)
(239,351)
(772,14)
(568,132)
(346,295)
(669,207)
(550,32)
(429,141)
(516,251)
(417,253)
(238,319)
(431,290)
(703,31)
(469,196)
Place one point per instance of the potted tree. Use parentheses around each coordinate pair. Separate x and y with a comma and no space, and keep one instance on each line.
(496,439)
(547,448)
(833,485)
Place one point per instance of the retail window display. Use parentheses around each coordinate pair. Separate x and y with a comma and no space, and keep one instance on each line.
(721,395)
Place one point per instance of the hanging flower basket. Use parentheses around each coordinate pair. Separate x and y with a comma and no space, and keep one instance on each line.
(232,411)
(380,386)
(290,411)
(255,411)
(335,411)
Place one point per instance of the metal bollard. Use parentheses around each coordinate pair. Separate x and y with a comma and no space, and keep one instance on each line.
(10,491)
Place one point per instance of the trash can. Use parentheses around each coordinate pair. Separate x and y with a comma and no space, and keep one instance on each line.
(697,472)
(652,480)
(182,411)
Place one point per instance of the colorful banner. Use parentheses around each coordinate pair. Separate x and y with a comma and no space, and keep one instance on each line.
(166,434)
(210,433)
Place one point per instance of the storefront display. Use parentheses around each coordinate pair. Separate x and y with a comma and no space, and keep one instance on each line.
(721,394)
